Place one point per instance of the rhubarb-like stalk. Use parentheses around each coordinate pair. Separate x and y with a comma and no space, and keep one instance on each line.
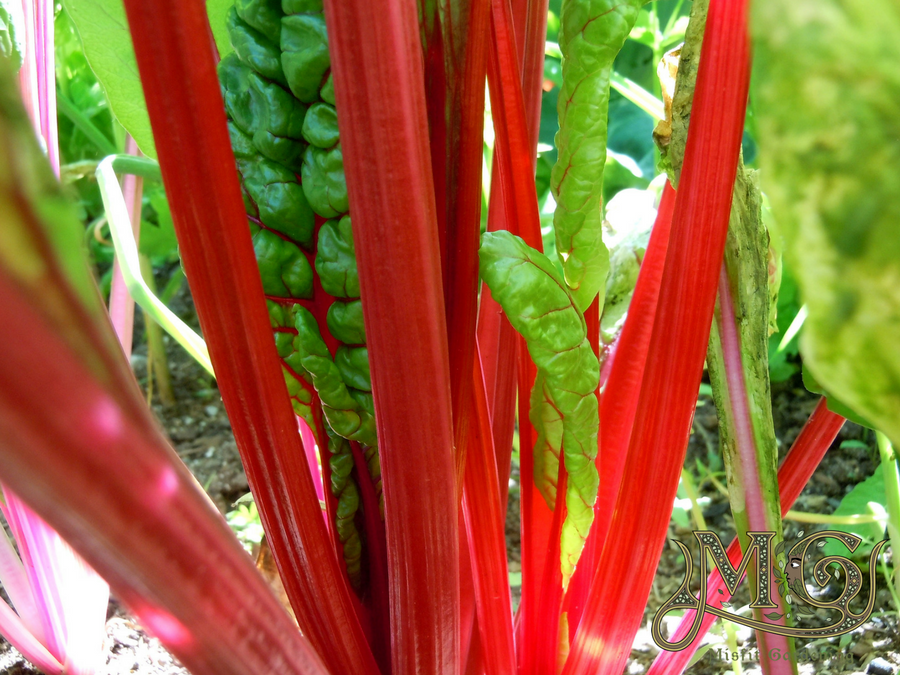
(465,30)
(71,597)
(312,458)
(208,212)
(68,598)
(740,388)
(121,304)
(487,543)
(497,339)
(520,206)
(532,54)
(798,467)
(376,48)
(37,78)
(678,343)
(97,468)
(618,403)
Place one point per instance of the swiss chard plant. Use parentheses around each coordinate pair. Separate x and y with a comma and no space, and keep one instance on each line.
(383,321)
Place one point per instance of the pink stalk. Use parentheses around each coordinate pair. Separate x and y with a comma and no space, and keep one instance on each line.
(21,637)
(65,604)
(36,548)
(145,524)
(376,47)
(747,452)
(121,305)
(71,598)
(312,456)
(484,528)
(737,393)
(15,582)
(37,78)
(805,455)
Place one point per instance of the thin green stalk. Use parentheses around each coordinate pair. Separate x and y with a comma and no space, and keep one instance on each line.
(892,497)
(84,125)
(731,640)
(157,364)
(144,167)
(635,93)
(794,328)
(173,285)
(687,482)
(825,519)
(889,578)
(129,260)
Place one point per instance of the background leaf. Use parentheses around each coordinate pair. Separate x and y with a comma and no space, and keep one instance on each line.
(857,502)
(109,51)
(217,11)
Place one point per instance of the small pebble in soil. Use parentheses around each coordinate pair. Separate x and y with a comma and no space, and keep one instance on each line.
(879,666)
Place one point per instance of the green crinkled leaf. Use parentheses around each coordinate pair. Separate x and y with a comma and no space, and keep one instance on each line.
(108,48)
(342,411)
(344,488)
(353,364)
(304,47)
(828,100)
(234,78)
(549,426)
(285,271)
(345,322)
(263,15)
(326,93)
(280,199)
(336,259)
(543,310)
(324,182)
(320,128)
(282,319)
(241,143)
(254,48)
(365,400)
(278,118)
(591,34)
(302,6)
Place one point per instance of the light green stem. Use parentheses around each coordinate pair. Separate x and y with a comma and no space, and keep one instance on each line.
(157,364)
(687,482)
(826,519)
(129,261)
(144,167)
(635,93)
(794,328)
(892,496)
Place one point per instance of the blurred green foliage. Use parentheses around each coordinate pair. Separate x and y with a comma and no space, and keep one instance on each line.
(88,131)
